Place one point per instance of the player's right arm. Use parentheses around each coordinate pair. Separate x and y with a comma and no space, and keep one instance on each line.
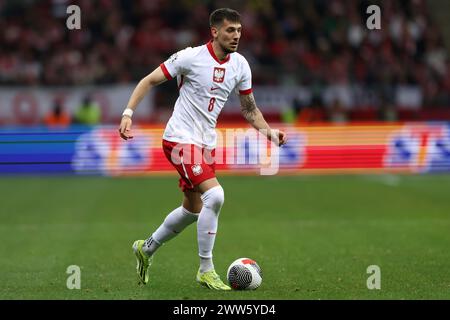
(143,87)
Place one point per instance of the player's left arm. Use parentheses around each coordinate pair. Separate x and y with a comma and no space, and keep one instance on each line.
(254,116)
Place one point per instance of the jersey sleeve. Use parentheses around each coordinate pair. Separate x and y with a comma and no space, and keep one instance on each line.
(245,84)
(177,64)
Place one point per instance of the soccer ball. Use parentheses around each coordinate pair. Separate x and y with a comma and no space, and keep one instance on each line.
(244,274)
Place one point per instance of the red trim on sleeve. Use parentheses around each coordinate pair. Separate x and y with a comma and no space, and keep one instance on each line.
(244,92)
(166,73)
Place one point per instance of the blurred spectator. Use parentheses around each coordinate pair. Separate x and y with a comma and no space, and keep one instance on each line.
(88,112)
(337,113)
(57,116)
(388,113)
(311,113)
(288,115)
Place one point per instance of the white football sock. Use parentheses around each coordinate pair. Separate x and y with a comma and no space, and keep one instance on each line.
(175,222)
(150,246)
(213,200)
(206,264)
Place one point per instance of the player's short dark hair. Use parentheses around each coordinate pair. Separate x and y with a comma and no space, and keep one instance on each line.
(217,17)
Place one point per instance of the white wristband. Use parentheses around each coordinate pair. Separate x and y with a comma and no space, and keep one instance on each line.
(128,112)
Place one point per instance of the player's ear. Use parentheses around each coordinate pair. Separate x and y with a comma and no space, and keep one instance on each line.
(214,31)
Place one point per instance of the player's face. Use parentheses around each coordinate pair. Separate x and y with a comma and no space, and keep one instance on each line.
(228,35)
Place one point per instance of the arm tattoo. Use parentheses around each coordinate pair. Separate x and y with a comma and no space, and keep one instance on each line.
(248,107)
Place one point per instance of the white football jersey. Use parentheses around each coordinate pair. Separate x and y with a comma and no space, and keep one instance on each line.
(205,84)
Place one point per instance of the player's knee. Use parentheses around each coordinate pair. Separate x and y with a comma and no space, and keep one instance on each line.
(214,198)
(193,206)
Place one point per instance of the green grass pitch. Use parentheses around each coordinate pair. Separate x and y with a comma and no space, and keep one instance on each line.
(313,236)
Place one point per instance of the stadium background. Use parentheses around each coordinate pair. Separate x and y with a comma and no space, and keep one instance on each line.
(371,103)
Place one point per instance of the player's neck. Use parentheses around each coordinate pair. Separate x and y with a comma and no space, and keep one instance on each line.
(220,54)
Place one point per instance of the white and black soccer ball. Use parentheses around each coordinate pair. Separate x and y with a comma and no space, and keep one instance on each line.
(244,274)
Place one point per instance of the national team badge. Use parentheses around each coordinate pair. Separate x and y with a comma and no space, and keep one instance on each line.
(196,169)
(219,74)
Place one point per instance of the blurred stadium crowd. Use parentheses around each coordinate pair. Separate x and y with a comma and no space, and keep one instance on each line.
(320,45)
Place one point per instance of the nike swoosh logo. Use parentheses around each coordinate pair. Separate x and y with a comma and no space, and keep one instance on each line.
(209,232)
(212,88)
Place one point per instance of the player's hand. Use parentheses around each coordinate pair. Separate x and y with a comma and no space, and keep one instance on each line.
(125,128)
(282,138)
(278,137)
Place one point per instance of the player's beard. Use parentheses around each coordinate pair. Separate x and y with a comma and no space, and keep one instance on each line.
(228,50)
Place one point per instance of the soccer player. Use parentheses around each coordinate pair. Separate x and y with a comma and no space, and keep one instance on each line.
(206,75)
